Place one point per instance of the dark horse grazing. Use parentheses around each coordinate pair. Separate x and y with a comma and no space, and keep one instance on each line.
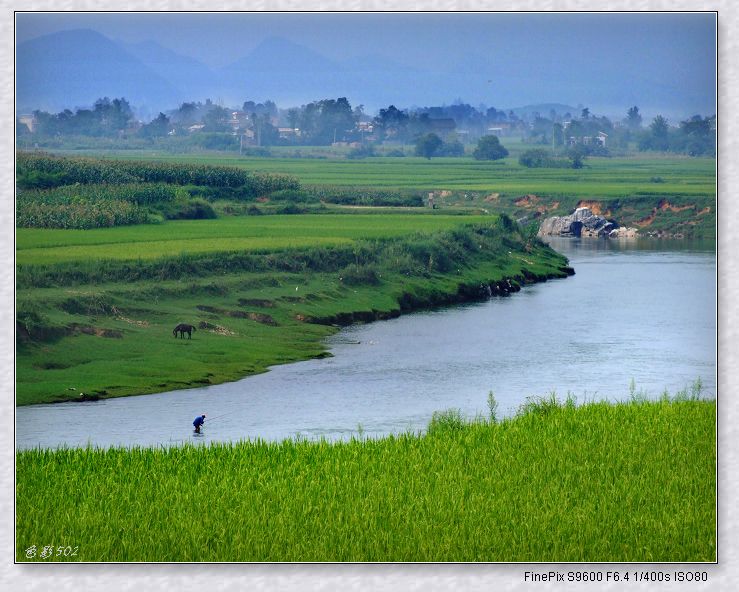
(183,328)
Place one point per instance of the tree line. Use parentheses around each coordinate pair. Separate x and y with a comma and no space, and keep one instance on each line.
(328,121)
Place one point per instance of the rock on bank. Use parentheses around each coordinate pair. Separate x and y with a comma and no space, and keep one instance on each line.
(583,222)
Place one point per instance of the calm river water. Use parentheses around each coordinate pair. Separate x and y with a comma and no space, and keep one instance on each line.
(634,310)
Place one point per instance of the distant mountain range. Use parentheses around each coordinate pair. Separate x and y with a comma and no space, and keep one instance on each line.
(74,68)
(71,69)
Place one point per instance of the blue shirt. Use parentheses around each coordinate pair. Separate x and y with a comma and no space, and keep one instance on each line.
(199,420)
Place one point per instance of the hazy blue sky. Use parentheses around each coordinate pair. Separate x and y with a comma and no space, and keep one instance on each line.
(672,51)
(217,39)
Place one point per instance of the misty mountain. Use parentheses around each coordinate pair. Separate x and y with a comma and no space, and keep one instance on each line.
(283,71)
(292,74)
(192,79)
(72,69)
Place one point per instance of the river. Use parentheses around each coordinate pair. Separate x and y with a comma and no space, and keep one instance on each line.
(635,310)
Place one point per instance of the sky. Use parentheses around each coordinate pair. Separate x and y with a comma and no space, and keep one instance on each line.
(217,39)
(632,46)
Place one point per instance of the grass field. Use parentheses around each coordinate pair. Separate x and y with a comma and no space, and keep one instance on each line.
(631,482)
(96,308)
(251,233)
(601,178)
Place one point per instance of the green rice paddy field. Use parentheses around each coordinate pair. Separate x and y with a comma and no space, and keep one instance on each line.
(252,233)
(601,178)
(632,482)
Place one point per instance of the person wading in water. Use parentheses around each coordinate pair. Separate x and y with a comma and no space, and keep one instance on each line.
(198,423)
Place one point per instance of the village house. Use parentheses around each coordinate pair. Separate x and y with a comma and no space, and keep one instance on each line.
(29,121)
(601,138)
(347,144)
(238,121)
(502,128)
(288,133)
(445,125)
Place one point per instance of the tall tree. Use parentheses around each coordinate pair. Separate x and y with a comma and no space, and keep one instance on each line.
(216,119)
(633,118)
(427,145)
(112,116)
(489,148)
(698,136)
(659,130)
(264,132)
(335,120)
(187,114)
(156,128)
(293,116)
(391,122)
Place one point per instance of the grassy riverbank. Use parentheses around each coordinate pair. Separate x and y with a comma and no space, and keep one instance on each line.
(599,482)
(96,308)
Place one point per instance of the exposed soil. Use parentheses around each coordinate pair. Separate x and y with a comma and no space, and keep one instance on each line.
(664,206)
(97,331)
(528,201)
(217,329)
(259,317)
(596,207)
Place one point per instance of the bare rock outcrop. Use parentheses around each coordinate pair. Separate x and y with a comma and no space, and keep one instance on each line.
(624,232)
(582,222)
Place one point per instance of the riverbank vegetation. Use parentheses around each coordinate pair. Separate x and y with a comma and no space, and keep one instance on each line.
(658,194)
(626,482)
(95,308)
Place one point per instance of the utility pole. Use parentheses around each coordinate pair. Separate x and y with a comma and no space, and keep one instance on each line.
(553,136)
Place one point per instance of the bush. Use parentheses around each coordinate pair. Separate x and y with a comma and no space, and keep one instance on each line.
(451,149)
(360,275)
(187,209)
(489,148)
(361,152)
(215,141)
(293,195)
(291,209)
(367,197)
(577,155)
(537,158)
(428,145)
(30,179)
